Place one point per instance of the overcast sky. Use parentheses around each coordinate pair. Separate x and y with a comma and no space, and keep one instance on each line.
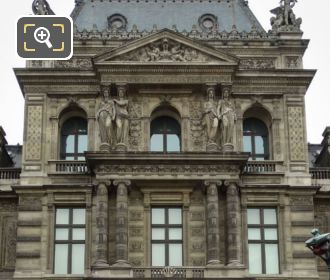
(315,15)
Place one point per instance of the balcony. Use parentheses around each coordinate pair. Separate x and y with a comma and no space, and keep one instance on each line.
(266,166)
(63,167)
(320,173)
(10,173)
(169,272)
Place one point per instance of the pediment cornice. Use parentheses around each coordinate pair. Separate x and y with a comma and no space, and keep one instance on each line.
(165,48)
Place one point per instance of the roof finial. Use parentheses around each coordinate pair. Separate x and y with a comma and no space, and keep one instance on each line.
(41,7)
(285,19)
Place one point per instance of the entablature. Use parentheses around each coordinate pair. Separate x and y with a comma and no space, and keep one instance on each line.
(159,166)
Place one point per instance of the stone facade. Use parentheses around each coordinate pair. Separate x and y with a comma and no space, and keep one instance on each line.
(208,81)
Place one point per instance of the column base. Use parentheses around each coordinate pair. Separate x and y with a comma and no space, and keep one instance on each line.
(100,265)
(213,263)
(121,264)
(234,264)
(105,147)
(212,147)
(121,147)
(228,147)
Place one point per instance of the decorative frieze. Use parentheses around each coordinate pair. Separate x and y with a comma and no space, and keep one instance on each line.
(257,63)
(167,169)
(81,63)
(293,62)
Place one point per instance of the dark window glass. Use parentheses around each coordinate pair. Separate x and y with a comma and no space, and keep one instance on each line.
(166,236)
(263,241)
(69,251)
(165,135)
(255,139)
(74,139)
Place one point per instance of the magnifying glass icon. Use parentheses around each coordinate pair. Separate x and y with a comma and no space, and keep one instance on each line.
(42,35)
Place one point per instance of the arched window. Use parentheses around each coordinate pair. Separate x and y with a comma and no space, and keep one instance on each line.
(74,139)
(255,139)
(165,135)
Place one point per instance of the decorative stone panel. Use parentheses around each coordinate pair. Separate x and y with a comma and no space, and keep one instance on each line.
(296,133)
(34,133)
(8,229)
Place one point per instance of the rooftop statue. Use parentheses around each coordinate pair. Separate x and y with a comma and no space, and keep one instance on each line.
(285,19)
(41,7)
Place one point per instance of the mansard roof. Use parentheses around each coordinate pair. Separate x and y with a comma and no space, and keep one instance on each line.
(180,14)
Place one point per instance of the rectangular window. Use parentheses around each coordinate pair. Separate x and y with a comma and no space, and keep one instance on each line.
(70,230)
(166,236)
(263,241)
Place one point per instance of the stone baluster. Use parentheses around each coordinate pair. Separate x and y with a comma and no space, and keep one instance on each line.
(122,223)
(101,227)
(213,235)
(233,224)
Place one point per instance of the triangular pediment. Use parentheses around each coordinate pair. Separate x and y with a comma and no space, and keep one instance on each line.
(165,47)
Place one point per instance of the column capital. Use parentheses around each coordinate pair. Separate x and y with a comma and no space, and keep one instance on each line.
(208,183)
(228,183)
(127,183)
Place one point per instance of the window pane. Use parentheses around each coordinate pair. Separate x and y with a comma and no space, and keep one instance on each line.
(175,255)
(157,143)
(270,234)
(253,216)
(158,234)
(61,259)
(158,216)
(78,259)
(247,144)
(62,216)
(69,144)
(82,143)
(255,266)
(78,234)
(260,145)
(173,143)
(79,217)
(62,234)
(254,234)
(174,216)
(158,254)
(69,158)
(271,253)
(270,217)
(81,158)
(175,234)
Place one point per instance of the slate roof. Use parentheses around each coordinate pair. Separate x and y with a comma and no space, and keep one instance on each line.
(164,14)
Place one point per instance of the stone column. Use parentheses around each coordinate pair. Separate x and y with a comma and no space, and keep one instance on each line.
(122,223)
(101,227)
(233,224)
(212,222)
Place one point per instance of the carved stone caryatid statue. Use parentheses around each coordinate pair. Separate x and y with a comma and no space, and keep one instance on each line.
(285,19)
(41,7)
(227,116)
(121,119)
(210,117)
(105,117)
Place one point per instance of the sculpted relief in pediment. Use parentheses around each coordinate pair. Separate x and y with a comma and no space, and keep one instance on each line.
(164,50)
